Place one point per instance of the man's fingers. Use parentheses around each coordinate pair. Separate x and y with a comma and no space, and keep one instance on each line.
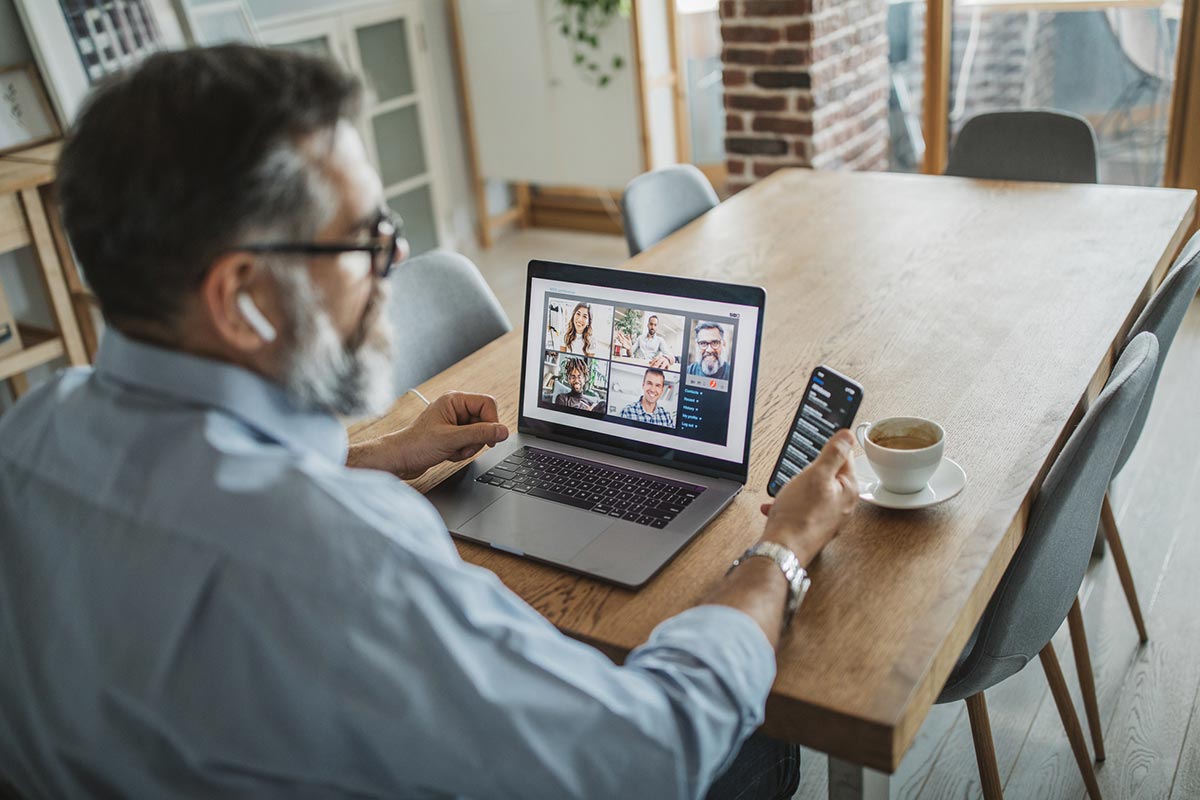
(836,452)
(765,508)
(472,407)
(476,435)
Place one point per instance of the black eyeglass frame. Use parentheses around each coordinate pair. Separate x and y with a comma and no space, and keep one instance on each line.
(381,270)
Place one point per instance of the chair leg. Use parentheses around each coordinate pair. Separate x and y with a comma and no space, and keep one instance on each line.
(1087,680)
(985,750)
(1109,523)
(1066,711)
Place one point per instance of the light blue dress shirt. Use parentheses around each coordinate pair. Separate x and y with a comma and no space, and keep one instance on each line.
(199,599)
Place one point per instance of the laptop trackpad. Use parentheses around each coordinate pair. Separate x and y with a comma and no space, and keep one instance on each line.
(538,528)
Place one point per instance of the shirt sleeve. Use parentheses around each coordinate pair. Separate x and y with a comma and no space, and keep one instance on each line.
(449,680)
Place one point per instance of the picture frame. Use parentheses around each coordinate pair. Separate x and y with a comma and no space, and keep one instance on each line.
(26,117)
(79,42)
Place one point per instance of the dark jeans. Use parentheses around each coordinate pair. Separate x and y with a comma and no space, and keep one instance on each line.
(764,768)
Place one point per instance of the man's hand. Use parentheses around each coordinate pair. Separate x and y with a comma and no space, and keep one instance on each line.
(804,517)
(454,427)
(811,507)
(661,362)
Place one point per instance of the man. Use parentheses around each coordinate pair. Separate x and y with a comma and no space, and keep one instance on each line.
(576,373)
(206,593)
(651,346)
(645,408)
(710,352)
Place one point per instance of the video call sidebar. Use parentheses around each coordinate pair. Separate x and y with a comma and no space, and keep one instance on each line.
(704,404)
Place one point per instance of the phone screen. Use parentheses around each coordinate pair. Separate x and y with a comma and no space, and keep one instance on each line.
(829,404)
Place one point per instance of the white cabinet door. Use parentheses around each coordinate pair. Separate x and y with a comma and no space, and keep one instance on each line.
(384,46)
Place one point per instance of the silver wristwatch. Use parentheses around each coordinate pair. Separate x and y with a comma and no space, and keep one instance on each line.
(797,576)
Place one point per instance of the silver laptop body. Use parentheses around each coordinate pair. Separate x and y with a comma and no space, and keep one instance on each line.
(620,459)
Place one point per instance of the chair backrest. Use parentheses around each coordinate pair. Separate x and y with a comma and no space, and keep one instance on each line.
(441,311)
(1045,573)
(656,204)
(1029,145)
(1162,316)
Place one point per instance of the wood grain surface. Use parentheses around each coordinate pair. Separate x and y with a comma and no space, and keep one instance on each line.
(991,307)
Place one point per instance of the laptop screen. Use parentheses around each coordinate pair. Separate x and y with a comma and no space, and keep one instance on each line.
(663,367)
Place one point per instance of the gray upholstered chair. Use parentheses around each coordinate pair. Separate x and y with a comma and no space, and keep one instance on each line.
(1027,145)
(656,204)
(441,310)
(1040,587)
(1162,316)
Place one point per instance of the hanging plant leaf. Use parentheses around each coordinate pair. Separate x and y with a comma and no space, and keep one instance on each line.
(581,23)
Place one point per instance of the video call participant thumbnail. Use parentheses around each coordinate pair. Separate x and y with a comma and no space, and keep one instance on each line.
(585,389)
(647,408)
(583,332)
(710,345)
(651,347)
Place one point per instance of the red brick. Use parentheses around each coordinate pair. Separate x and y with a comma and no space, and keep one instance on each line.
(734,77)
(745,55)
(777,8)
(728,9)
(750,33)
(734,122)
(800,32)
(744,145)
(764,124)
(755,102)
(735,166)
(789,56)
(804,102)
(789,79)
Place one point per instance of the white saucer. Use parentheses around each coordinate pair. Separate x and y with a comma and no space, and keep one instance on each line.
(948,481)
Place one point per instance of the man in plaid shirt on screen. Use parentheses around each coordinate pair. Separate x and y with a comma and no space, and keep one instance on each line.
(645,408)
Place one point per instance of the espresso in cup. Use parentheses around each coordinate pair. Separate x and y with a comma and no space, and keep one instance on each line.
(904,452)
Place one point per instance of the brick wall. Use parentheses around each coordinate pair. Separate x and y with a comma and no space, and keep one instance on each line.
(806,84)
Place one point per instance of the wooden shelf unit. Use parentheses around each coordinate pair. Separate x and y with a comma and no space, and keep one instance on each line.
(29,217)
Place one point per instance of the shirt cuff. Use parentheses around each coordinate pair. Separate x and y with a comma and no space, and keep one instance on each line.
(730,642)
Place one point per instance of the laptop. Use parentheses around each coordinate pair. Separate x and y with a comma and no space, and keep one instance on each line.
(636,402)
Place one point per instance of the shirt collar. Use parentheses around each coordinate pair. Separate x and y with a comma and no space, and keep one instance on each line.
(193,380)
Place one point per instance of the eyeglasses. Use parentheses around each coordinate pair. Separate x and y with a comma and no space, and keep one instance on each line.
(383,244)
(710,344)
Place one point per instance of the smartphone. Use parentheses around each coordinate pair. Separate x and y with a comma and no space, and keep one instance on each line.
(829,404)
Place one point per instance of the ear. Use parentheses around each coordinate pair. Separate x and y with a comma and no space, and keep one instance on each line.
(228,277)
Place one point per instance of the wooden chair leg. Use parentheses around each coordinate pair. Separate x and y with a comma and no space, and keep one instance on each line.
(1066,711)
(18,384)
(985,750)
(1087,680)
(1109,523)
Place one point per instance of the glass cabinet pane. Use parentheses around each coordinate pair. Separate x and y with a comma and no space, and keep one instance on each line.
(398,142)
(317,46)
(415,207)
(384,52)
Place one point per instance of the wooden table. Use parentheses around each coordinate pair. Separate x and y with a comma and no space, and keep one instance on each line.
(991,307)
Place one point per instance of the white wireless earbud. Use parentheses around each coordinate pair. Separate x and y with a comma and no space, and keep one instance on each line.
(254,318)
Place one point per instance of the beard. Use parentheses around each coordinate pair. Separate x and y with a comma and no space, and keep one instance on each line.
(710,365)
(321,372)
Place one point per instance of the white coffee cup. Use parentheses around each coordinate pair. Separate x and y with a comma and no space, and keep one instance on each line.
(905,466)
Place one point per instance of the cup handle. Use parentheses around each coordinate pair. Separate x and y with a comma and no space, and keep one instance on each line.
(860,433)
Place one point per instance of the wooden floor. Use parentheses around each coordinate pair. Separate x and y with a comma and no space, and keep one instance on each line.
(1149,696)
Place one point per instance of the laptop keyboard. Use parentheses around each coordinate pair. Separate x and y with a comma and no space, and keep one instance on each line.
(594,487)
